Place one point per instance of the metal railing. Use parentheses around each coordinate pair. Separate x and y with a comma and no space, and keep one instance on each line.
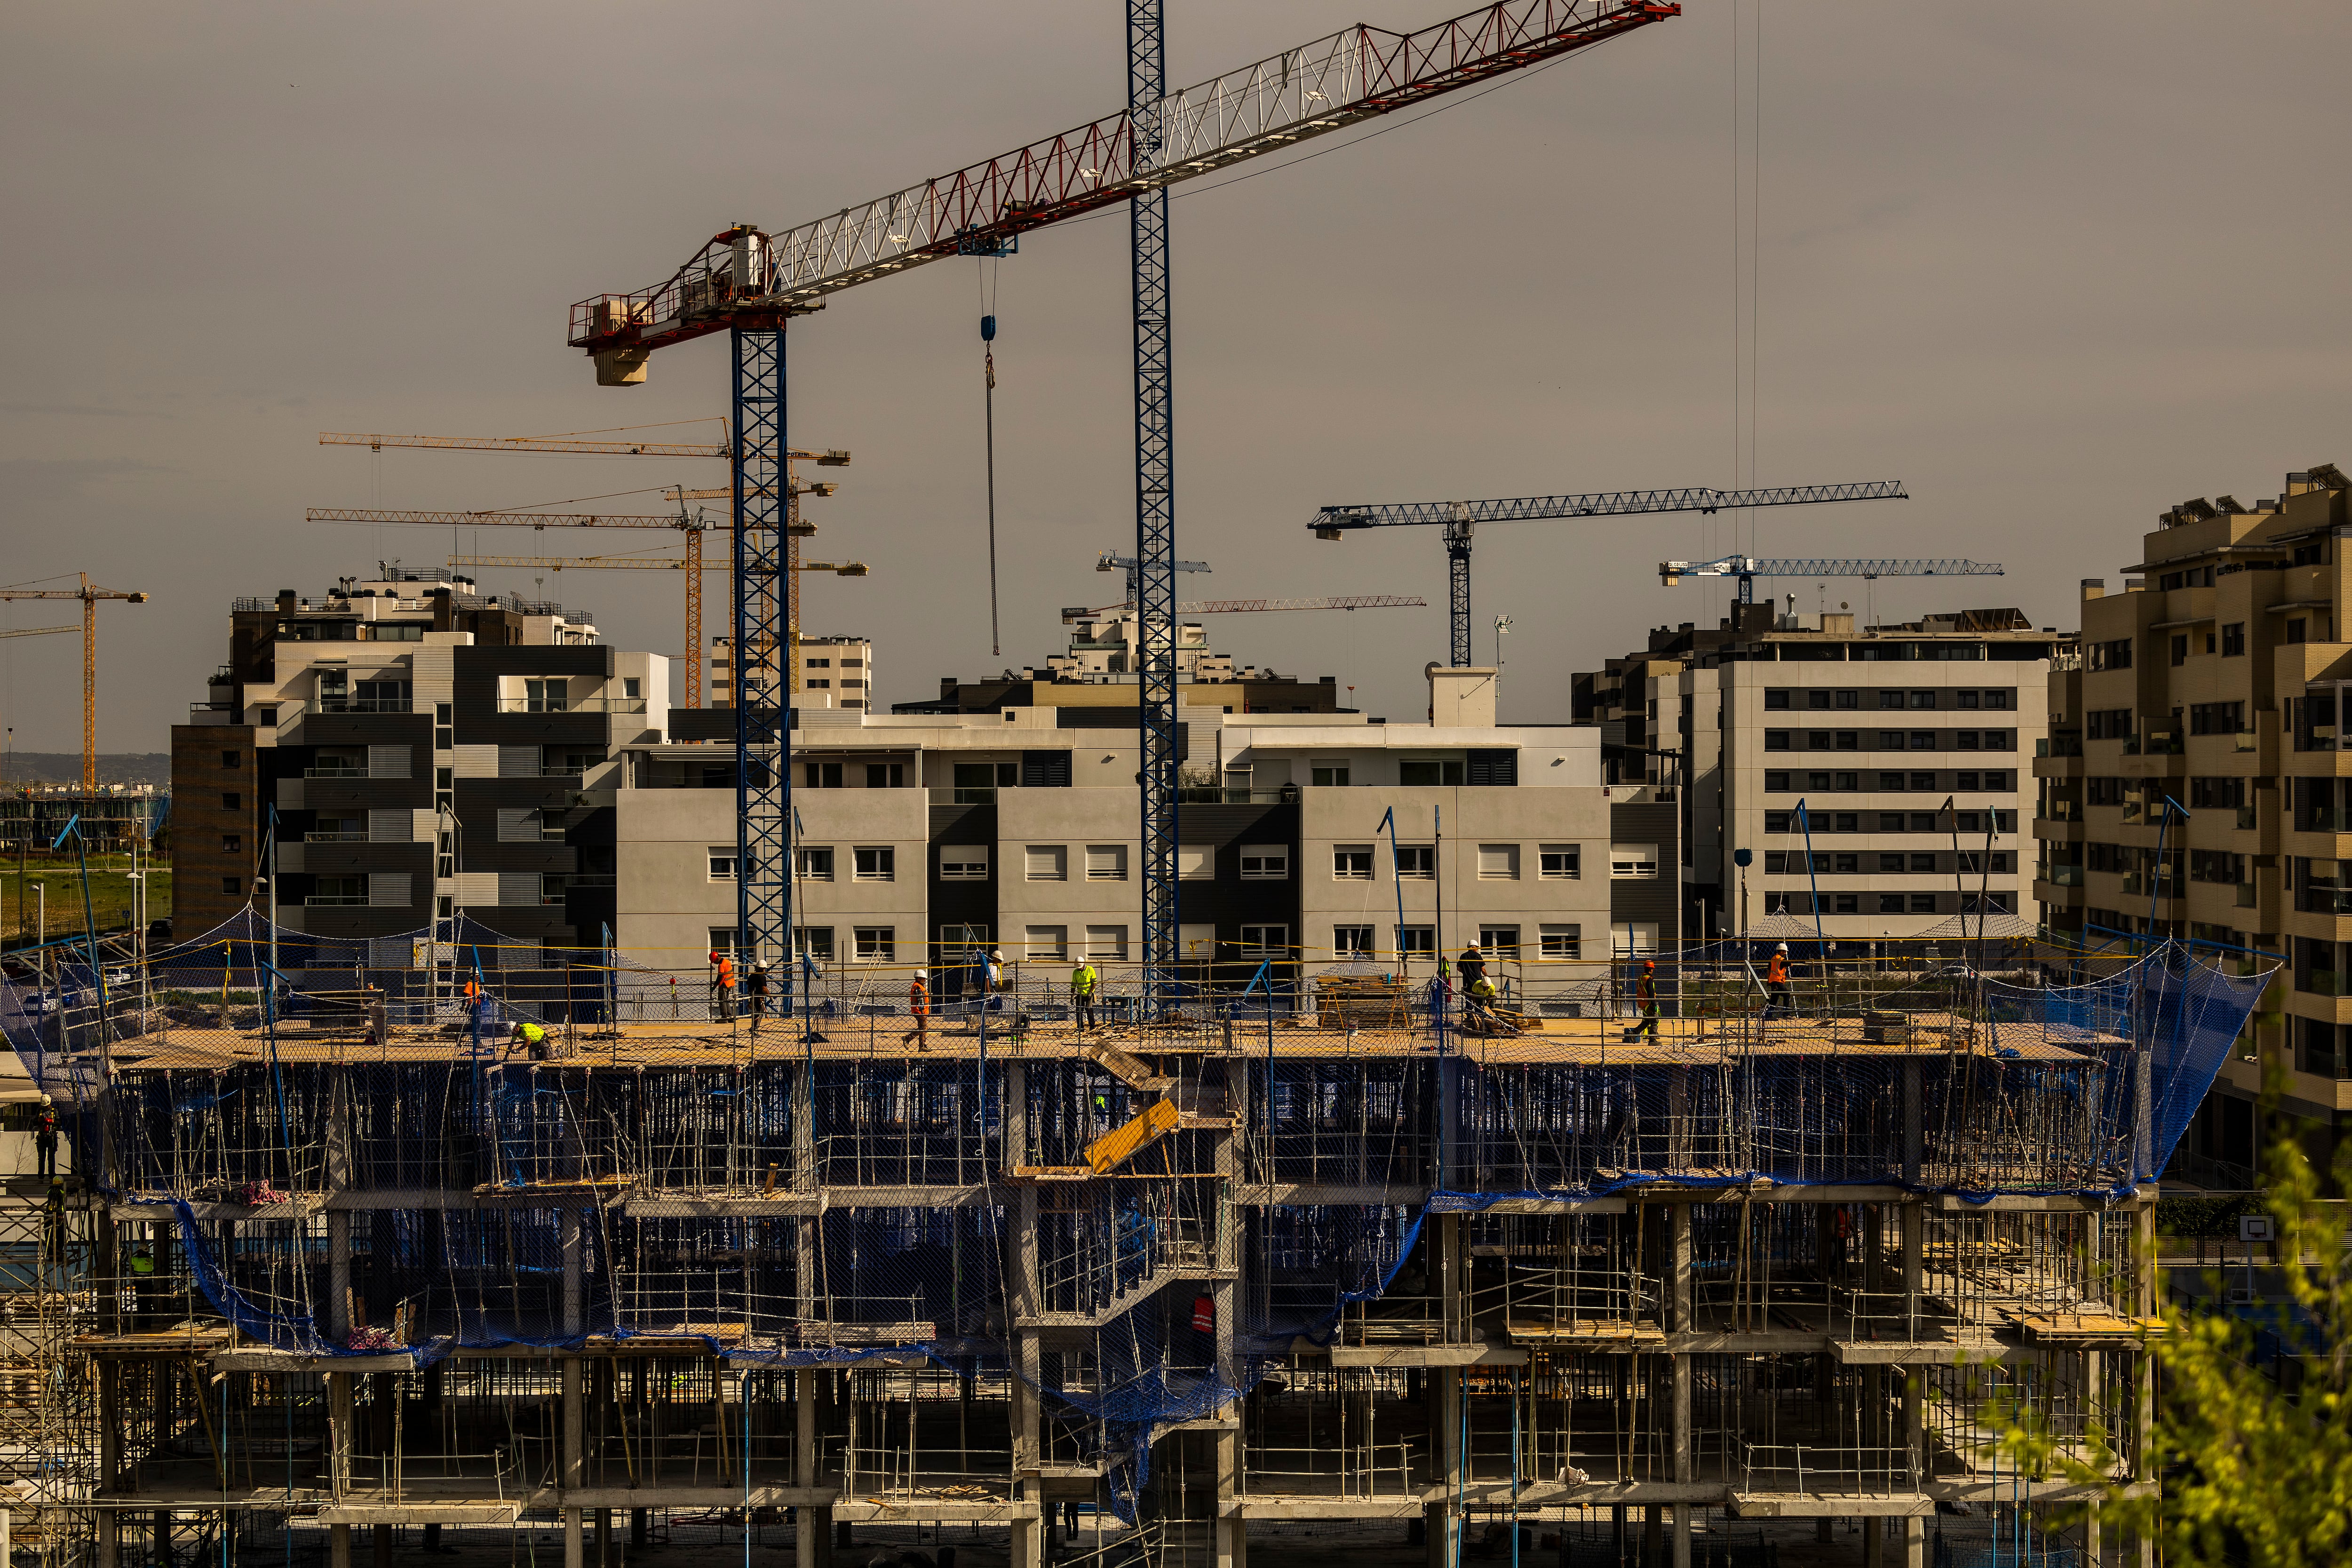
(571,705)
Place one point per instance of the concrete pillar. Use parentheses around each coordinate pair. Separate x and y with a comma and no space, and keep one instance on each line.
(1445,1526)
(1915,1543)
(338,1276)
(1685,1460)
(1873,1543)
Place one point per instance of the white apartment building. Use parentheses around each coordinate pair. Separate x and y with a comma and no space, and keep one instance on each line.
(834,672)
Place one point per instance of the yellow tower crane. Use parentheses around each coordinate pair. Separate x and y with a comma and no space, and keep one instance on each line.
(90,597)
(578,444)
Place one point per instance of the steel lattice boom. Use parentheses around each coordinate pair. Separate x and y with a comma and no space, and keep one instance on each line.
(1460,519)
(1325,86)
(1746,568)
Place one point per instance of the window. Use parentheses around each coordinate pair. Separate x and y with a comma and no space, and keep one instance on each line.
(1923,700)
(232,843)
(1922,780)
(1628,860)
(546,696)
(1999,740)
(1264,942)
(875,863)
(1046,943)
(2233,640)
(232,759)
(886,775)
(821,776)
(1890,861)
(875,945)
(2108,724)
(1491,769)
(1849,864)
(1966,699)
(1776,862)
(813,942)
(1922,903)
(1107,942)
(1890,903)
(1890,739)
(963,862)
(718,862)
(1426,771)
(1045,863)
(1561,941)
(1965,739)
(1923,739)
(1922,863)
(1196,862)
(820,663)
(1776,784)
(1499,862)
(1329,772)
(1265,862)
(1419,941)
(1776,740)
(1890,781)
(1964,781)
(2216,718)
(2116,653)
(1559,862)
(2180,648)
(1351,941)
(1890,699)
(1630,939)
(1817,699)
(1776,697)
(1998,699)
(1778,821)
(232,886)
(631,685)
(1500,941)
(1351,862)
(1848,699)
(1418,861)
(813,864)
(1995,779)
(1105,862)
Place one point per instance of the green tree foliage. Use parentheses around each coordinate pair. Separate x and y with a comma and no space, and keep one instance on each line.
(2255,1461)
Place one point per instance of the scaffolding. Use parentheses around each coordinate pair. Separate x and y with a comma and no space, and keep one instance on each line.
(391,1245)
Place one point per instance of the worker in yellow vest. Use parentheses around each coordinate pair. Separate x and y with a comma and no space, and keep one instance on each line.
(1083,981)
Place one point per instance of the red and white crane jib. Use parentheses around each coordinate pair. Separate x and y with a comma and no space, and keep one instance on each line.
(744,277)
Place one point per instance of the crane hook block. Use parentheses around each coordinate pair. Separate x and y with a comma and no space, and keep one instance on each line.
(988,329)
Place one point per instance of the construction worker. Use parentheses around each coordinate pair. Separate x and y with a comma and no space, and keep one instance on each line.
(1474,967)
(1646,1001)
(756,988)
(473,998)
(919,1006)
(1776,1001)
(995,977)
(142,1285)
(530,1038)
(45,1137)
(1481,997)
(53,1221)
(1083,981)
(722,985)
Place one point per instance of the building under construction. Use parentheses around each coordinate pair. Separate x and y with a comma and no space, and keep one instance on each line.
(373,1256)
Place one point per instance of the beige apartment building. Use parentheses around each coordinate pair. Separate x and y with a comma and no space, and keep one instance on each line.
(2193,786)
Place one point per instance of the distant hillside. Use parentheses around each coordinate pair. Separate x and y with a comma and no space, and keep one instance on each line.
(65,767)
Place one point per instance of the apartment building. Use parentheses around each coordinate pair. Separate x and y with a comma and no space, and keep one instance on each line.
(1097,670)
(2194,787)
(419,750)
(1873,776)
(834,672)
(1313,840)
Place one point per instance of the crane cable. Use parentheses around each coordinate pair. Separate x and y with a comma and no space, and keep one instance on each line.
(988,361)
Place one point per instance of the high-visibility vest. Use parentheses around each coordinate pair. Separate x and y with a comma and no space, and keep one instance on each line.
(533,1035)
(142,1264)
(1777,972)
(1081,980)
(918,999)
(726,975)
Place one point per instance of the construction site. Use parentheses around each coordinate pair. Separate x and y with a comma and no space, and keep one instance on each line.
(409,1211)
(368,1260)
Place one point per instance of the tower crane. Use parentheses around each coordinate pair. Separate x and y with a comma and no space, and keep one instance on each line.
(1746,569)
(748,282)
(90,597)
(578,446)
(634,563)
(1459,519)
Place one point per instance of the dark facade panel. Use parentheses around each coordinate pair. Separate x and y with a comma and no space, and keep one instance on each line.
(1229,902)
(357,859)
(1648,899)
(368,730)
(203,822)
(349,797)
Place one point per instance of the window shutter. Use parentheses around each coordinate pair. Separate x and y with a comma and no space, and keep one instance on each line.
(518,761)
(388,762)
(518,825)
(1494,767)
(517,888)
(1045,770)
(388,889)
(391,827)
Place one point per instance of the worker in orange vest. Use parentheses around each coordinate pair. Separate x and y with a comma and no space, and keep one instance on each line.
(722,985)
(1646,1002)
(1776,984)
(918,1004)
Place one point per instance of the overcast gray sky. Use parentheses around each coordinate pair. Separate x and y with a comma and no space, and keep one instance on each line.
(2055,267)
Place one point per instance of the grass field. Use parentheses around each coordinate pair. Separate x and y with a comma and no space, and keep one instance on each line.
(110,891)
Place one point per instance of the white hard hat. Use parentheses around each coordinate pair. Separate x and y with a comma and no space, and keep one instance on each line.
(1474,947)
(1783,948)
(46,1101)
(922,974)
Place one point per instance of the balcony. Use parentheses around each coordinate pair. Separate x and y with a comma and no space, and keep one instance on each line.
(2063,875)
(336,837)
(338,771)
(2141,885)
(336,900)
(2323,982)
(2152,745)
(2325,820)
(2324,901)
(358,705)
(566,705)
(2069,811)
